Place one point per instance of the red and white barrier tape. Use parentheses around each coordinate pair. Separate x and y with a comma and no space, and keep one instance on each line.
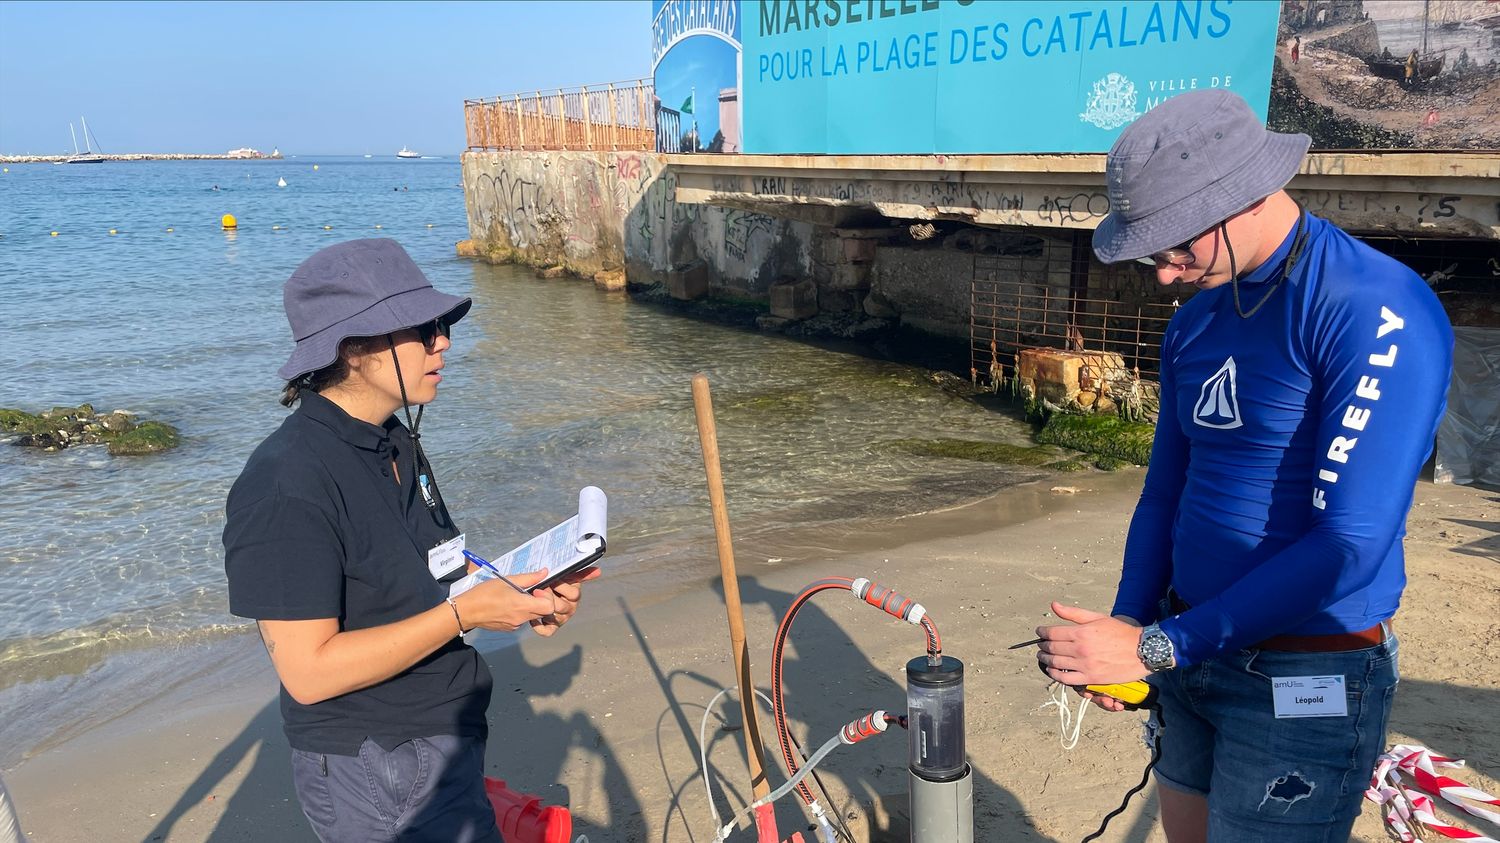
(1404,806)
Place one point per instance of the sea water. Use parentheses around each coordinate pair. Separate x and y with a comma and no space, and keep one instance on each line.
(549,386)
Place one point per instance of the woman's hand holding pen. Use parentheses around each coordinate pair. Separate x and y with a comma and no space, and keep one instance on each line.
(565,597)
(496,605)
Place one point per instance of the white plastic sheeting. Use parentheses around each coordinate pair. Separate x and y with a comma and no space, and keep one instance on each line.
(1468,444)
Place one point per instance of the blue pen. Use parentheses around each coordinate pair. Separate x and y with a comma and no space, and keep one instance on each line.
(485,563)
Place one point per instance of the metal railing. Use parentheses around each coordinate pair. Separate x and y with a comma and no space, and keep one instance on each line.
(1112,316)
(616,116)
(668,129)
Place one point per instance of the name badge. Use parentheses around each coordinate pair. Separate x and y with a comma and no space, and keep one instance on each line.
(1309,696)
(446,557)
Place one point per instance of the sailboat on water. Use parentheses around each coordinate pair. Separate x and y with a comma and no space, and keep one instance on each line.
(1417,66)
(89,155)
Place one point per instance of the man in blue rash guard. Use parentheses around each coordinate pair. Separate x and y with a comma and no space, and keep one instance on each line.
(1300,393)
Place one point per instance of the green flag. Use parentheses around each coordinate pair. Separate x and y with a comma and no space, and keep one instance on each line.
(687,105)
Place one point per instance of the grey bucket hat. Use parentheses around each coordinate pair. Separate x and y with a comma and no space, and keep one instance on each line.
(362,288)
(1187,165)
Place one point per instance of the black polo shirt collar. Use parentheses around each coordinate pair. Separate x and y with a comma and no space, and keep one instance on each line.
(359,433)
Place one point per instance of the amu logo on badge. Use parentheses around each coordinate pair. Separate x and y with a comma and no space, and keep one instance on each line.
(1218,403)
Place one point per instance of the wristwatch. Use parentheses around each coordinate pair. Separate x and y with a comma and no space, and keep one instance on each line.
(1155,650)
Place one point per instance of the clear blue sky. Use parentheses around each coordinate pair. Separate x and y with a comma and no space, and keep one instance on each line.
(309,78)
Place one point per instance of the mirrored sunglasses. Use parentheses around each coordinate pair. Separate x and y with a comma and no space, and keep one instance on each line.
(1181,255)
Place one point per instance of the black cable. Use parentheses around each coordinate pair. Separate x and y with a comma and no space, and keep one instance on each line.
(1161,725)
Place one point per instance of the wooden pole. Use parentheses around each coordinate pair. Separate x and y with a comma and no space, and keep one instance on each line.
(703,405)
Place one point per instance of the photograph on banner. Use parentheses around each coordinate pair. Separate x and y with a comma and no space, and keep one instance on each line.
(979,76)
(695,62)
(922,76)
(1393,74)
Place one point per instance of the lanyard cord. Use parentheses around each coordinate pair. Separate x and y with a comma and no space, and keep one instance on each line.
(1299,242)
(428,485)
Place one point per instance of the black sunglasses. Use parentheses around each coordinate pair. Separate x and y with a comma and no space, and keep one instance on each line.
(429,332)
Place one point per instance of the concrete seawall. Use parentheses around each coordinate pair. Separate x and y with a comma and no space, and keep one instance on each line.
(988,250)
(614,216)
(592,212)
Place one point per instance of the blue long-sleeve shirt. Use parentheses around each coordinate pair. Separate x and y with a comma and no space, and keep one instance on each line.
(1287,448)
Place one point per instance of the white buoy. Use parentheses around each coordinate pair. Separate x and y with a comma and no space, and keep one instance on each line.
(281,182)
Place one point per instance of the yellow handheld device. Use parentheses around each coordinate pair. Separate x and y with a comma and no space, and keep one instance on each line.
(1134,695)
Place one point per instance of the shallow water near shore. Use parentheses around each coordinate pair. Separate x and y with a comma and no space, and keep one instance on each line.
(108,562)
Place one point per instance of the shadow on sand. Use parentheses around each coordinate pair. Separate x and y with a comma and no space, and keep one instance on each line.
(828,681)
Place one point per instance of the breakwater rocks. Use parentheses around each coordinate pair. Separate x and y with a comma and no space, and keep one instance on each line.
(64,427)
(128,156)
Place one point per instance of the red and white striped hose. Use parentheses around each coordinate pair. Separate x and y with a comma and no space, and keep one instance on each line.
(866,591)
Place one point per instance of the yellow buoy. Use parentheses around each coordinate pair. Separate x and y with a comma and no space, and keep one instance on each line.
(327,228)
(112,231)
(7,169)
(169,231)
(315,166)
(229,222)
(54,234)
(379,226)
(429,225)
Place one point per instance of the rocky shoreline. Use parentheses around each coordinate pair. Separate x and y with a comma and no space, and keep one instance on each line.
(131,156)
(64,427)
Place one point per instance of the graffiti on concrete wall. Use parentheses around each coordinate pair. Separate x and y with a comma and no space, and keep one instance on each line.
(588,210)
(740,227)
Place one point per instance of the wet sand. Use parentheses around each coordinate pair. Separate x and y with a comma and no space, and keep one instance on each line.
(604,717)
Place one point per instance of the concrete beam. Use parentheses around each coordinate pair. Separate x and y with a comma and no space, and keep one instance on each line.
(1425,194)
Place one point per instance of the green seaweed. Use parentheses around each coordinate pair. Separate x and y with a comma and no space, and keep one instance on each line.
(1068,465)
(146,438)
(966,449)
(19,421)
(1103,434)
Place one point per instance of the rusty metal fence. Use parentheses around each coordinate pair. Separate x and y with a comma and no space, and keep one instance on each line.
(616,116)
(1059,298)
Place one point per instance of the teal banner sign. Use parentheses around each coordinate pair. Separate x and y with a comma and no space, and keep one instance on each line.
(981,76)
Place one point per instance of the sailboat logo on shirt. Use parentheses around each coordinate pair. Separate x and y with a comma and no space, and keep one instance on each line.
(1218,403)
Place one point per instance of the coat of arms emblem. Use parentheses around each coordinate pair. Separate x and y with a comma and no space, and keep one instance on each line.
(1112,103)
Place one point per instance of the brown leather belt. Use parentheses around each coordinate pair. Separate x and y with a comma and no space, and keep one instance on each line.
(1336,642)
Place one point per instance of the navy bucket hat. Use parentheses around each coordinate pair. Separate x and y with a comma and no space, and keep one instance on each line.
(1187,165)
(362,288)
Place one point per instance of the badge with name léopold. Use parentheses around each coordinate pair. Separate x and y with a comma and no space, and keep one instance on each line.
(1309,696)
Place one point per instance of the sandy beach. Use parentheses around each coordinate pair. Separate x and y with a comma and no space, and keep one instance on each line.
(604,717)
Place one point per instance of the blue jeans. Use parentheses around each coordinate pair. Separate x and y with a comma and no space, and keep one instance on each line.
(1296,780)
(425,789)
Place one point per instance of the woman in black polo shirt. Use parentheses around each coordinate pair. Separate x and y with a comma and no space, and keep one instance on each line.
(339,544)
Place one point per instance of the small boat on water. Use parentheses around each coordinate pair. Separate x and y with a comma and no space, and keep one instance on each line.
(408,153)
(281,182)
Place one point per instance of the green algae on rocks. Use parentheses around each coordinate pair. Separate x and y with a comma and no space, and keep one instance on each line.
(63,427)
(146,438)
(1104,434)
